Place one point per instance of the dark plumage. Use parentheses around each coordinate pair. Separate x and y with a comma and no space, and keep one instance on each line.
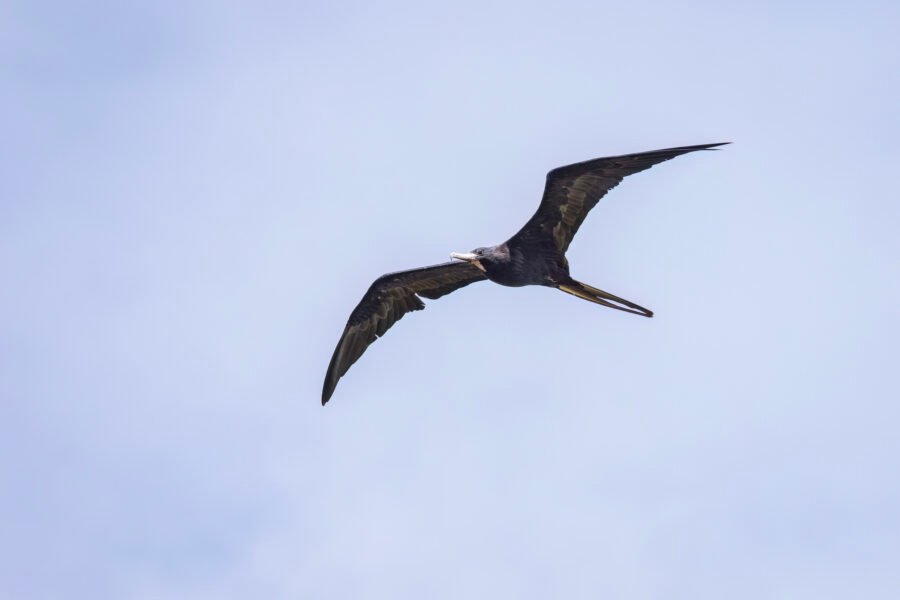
(533,256)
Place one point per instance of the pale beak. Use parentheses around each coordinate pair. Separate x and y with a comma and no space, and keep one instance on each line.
(466,256)
(469,257)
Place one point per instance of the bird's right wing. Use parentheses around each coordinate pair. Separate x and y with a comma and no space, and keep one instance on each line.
(572,191)
(389,298)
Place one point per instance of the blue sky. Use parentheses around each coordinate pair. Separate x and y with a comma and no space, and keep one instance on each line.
(193,196)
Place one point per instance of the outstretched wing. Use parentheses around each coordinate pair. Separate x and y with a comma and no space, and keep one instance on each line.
(572,191)
(389,298)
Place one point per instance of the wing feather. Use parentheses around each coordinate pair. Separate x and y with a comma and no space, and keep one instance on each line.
(573,190)
(389,298)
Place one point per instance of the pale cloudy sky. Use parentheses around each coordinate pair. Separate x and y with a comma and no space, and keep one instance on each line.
(193,196)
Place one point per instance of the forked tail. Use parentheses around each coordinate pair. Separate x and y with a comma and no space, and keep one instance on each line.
(591,294)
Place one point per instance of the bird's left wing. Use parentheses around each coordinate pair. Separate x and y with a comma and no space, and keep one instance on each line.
(572,191)
(389,298)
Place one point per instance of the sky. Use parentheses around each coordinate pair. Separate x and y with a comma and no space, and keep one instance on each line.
(194,196)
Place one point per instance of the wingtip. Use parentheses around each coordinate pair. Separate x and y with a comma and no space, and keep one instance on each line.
(326,393)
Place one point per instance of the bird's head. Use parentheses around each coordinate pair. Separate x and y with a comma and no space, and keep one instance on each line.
(483,258)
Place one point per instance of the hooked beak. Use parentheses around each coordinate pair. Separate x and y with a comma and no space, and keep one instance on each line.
(469,257)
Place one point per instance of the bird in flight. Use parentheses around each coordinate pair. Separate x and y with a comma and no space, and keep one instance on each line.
(536,255)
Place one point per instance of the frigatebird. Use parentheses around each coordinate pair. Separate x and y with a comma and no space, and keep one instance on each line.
(535,255)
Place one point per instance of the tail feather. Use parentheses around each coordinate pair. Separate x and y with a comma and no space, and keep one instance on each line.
(592,294)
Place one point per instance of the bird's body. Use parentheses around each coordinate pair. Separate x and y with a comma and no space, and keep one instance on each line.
(509,264)
(535,255)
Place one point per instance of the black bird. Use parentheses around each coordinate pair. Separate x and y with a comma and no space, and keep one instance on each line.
(536,255)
